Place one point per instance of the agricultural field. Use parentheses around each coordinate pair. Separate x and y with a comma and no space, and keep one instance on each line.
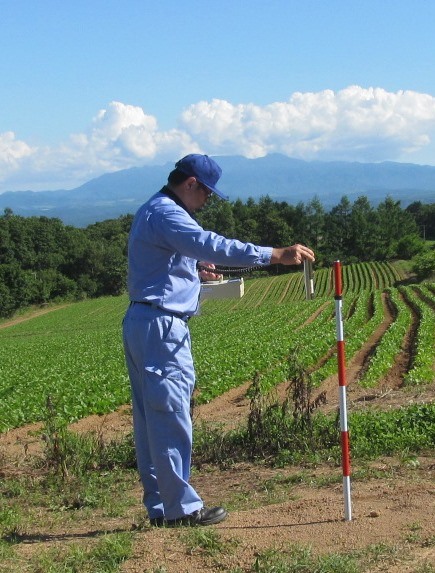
(72,355)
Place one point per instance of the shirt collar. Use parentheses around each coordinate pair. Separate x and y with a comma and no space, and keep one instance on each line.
(165,189)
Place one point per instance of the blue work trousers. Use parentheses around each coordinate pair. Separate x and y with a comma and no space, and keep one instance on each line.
(159,361)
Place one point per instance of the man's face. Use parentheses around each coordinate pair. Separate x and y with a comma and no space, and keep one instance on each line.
(200,195)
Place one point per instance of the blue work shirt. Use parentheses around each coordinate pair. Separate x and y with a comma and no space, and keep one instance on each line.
(165,245)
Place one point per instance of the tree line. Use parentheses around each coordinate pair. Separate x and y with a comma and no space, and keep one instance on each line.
(43,260)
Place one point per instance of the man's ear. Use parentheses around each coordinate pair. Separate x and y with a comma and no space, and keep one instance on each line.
(190,183)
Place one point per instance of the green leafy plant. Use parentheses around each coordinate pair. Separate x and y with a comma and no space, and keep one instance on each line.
(105,556)
(206,541)
(298,559)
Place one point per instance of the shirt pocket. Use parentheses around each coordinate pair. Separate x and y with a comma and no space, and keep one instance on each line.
(163,389)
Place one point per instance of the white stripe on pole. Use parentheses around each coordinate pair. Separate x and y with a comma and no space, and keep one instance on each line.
(309,279)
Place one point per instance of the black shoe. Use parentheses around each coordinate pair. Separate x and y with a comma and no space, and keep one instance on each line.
(157,521)
(204,516)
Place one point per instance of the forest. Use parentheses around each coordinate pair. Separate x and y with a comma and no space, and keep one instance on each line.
(43,260)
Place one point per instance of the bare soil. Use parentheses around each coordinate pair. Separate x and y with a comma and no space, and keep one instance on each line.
(396,508)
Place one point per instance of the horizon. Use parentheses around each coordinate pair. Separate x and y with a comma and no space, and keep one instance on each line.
(169,165)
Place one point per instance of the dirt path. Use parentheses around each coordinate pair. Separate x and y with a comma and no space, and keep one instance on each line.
(30,315)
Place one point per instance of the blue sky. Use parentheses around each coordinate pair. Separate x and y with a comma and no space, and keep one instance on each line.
(92,86)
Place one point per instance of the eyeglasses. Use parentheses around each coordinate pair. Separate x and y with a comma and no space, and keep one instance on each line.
(206,190)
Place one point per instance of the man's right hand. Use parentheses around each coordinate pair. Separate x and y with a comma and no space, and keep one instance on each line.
(294,255)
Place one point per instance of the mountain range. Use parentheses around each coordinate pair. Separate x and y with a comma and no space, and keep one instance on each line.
(280,177)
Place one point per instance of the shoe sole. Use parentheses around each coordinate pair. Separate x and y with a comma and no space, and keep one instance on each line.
(214,521)
(192,523)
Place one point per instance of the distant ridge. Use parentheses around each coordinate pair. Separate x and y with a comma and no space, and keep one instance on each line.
(280,177)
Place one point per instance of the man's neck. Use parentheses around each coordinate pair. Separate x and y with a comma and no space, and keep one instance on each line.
(170,192)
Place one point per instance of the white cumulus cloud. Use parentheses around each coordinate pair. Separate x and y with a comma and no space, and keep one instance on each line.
(12,152)
(355,124)
(123,135)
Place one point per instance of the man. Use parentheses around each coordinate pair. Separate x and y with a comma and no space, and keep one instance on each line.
(165,245)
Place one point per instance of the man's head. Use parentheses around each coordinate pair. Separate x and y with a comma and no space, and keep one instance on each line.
(204,169)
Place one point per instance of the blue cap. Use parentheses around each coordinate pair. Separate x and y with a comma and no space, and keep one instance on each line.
(203,168)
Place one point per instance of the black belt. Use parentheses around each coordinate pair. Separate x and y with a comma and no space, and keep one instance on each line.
(185,317)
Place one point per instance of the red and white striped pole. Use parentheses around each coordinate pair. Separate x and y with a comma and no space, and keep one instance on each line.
(345,450)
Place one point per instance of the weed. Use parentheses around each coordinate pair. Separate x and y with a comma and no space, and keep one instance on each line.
(425,568)
(56,439)
(49,499)
(206,541)
(213,445)
(299,559)
(7,552)
(377,554)
(305,478)
(289,432)
(71,455)
(103,557)
(429,541)
(269,492)
(11,523)
(281,432)
(409,459)
(414,535)
(273,427)
(90,492)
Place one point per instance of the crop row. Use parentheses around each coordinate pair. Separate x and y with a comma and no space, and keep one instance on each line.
(391,342)
(423,360)
(361,276)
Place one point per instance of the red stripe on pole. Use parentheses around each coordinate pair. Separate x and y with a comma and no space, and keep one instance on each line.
(345,453)
(337,278)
